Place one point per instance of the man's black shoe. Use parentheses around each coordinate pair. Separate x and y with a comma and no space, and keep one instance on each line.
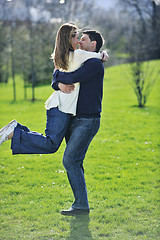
(73,212)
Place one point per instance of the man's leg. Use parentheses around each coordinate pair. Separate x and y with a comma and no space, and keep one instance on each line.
(25,141)
(80,134)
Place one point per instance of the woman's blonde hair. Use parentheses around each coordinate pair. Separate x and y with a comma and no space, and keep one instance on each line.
(63,45)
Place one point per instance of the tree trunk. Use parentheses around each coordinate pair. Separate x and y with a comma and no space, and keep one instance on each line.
(13,61)
(32,62)
(28,4)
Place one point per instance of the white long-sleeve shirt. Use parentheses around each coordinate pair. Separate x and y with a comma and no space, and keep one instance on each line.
(65,102)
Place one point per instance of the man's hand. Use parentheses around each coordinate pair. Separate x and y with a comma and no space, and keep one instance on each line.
(66,88)
(105,56)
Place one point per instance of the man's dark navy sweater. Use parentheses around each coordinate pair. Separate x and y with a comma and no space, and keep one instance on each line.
(90,75)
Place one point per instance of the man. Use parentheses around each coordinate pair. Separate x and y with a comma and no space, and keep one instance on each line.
(85,124)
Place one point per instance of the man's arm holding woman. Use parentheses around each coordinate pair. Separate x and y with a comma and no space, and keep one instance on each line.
(61,80)
(86,71)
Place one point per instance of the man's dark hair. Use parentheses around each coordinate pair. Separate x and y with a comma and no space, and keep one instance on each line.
(95,36)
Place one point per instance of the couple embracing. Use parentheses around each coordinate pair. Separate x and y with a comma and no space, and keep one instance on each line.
(73,110)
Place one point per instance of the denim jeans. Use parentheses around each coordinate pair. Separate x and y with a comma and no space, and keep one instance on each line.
(25,141)
(79,135)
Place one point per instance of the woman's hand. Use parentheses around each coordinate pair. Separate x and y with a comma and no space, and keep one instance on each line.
(105,56)
(66,88)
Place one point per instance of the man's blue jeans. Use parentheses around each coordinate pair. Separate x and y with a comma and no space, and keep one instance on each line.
(25,141)
(79,135)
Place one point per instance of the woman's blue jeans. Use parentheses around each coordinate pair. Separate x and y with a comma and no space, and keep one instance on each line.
(79,135)
(25,141)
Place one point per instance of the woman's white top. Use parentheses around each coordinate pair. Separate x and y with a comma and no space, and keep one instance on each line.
(67,102)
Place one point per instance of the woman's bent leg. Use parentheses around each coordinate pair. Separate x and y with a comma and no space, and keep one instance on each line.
(25,141)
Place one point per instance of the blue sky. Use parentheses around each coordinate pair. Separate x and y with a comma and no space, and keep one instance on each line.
(106,3)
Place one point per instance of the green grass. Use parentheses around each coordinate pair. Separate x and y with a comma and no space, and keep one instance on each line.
(121,169)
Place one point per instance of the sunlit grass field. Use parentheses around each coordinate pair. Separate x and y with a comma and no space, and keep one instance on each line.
(121,169)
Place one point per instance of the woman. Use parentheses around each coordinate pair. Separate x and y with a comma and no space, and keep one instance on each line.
(60,106)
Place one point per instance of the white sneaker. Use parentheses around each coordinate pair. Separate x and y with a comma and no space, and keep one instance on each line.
(6,130)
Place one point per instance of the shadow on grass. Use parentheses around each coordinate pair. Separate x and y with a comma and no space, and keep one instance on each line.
(25,101)
(79,228)
(147,109)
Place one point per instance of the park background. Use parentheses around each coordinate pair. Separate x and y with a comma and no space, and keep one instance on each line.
(122,164)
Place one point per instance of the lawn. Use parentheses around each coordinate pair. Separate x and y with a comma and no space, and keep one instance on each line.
(121,169)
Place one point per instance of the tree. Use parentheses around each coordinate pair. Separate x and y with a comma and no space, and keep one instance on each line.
(142,80)
(142,44)
(145,28)
(4,52)
(13,59)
